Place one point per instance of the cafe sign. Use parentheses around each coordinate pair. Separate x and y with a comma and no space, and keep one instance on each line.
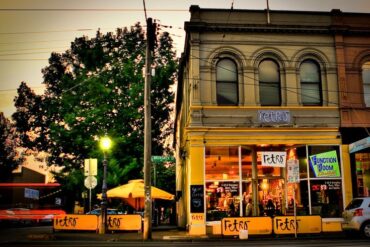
(274,116)
(325,164)
(273,159)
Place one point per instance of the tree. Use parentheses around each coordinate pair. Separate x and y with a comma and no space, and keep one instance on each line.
(96,88)
(9,158)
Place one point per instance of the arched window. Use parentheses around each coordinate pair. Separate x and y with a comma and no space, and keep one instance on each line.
(310,78)
(227,82)
(269,83)
(366,82)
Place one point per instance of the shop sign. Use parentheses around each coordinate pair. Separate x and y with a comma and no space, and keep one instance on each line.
(254,225)
(274,159)
(359,145)
(293,171)
(325,164)
(303,224)
(76,222)
(274,116)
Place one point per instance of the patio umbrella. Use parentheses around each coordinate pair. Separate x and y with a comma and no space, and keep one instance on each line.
(133,193)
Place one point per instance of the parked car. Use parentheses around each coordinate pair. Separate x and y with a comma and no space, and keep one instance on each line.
(357,216)
(109,211)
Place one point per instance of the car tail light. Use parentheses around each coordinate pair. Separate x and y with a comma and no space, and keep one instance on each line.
(358,212)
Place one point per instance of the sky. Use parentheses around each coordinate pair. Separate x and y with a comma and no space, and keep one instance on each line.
(31,29)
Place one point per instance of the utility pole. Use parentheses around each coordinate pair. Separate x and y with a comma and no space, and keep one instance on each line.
(147,231)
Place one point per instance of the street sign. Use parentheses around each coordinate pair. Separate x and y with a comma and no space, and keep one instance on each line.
(90,182)
(159,159)
(91,167)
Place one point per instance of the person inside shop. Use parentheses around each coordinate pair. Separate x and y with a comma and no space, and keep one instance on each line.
(248,208)
(270,208)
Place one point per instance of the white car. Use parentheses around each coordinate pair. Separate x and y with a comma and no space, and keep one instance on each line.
(357,216)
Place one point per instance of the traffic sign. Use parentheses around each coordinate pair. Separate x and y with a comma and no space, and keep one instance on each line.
(91,167)
(159,159)
(91,182)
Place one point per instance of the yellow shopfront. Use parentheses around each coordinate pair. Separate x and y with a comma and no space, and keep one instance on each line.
(244,174)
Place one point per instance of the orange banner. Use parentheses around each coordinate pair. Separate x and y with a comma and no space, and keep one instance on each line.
(254,225)
(124,222)
(303,224)
(76,222)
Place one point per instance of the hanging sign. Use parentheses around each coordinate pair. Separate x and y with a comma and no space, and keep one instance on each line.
(325,164)
(273,159)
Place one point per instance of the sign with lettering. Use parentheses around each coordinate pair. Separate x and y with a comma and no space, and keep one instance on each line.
(196,199)
(274,159)
(76,222)
(303,224)
(254,225)
(293,171)
(124,222)
(325,164)
(359,145)
(232,187)
(197,219)
(274,116)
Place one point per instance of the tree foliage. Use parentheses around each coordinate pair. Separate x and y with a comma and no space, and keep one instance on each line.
(93,89)
(9,157)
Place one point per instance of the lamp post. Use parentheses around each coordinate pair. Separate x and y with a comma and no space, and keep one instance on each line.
(105,144)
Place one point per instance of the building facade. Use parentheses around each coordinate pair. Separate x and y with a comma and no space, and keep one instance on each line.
(352,45)
(258,117)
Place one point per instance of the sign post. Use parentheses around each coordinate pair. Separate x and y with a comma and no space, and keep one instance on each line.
(91,170)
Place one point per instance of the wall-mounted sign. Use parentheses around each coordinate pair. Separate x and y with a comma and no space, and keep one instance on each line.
(274,116)
(196,199)
(359,145)
(325,164)
(273,159)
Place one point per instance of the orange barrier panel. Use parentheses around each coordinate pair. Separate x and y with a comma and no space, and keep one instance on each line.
(76,222)
(255,225)
(304,224)
(124,222)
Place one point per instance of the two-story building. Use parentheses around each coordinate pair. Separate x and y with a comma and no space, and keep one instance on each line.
(257,117)
(352,45)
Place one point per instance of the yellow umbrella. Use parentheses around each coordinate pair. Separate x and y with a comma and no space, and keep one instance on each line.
(133,193)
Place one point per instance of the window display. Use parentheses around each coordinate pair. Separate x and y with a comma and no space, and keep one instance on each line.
(237,185)
(363,174)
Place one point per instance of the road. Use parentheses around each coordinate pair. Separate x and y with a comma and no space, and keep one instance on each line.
(203,243)
(42,236)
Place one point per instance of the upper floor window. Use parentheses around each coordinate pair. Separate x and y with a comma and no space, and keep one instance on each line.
(269,83)
(366,82)
(227,82)
(310,78)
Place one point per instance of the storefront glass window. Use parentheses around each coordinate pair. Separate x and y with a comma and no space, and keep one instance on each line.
(326,197)
(363,174)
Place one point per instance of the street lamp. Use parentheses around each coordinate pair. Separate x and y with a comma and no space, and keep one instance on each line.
(105,144)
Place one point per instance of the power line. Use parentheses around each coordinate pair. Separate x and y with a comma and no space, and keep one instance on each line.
(90,10)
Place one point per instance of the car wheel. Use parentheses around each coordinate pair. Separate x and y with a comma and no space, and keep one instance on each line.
(365,229)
